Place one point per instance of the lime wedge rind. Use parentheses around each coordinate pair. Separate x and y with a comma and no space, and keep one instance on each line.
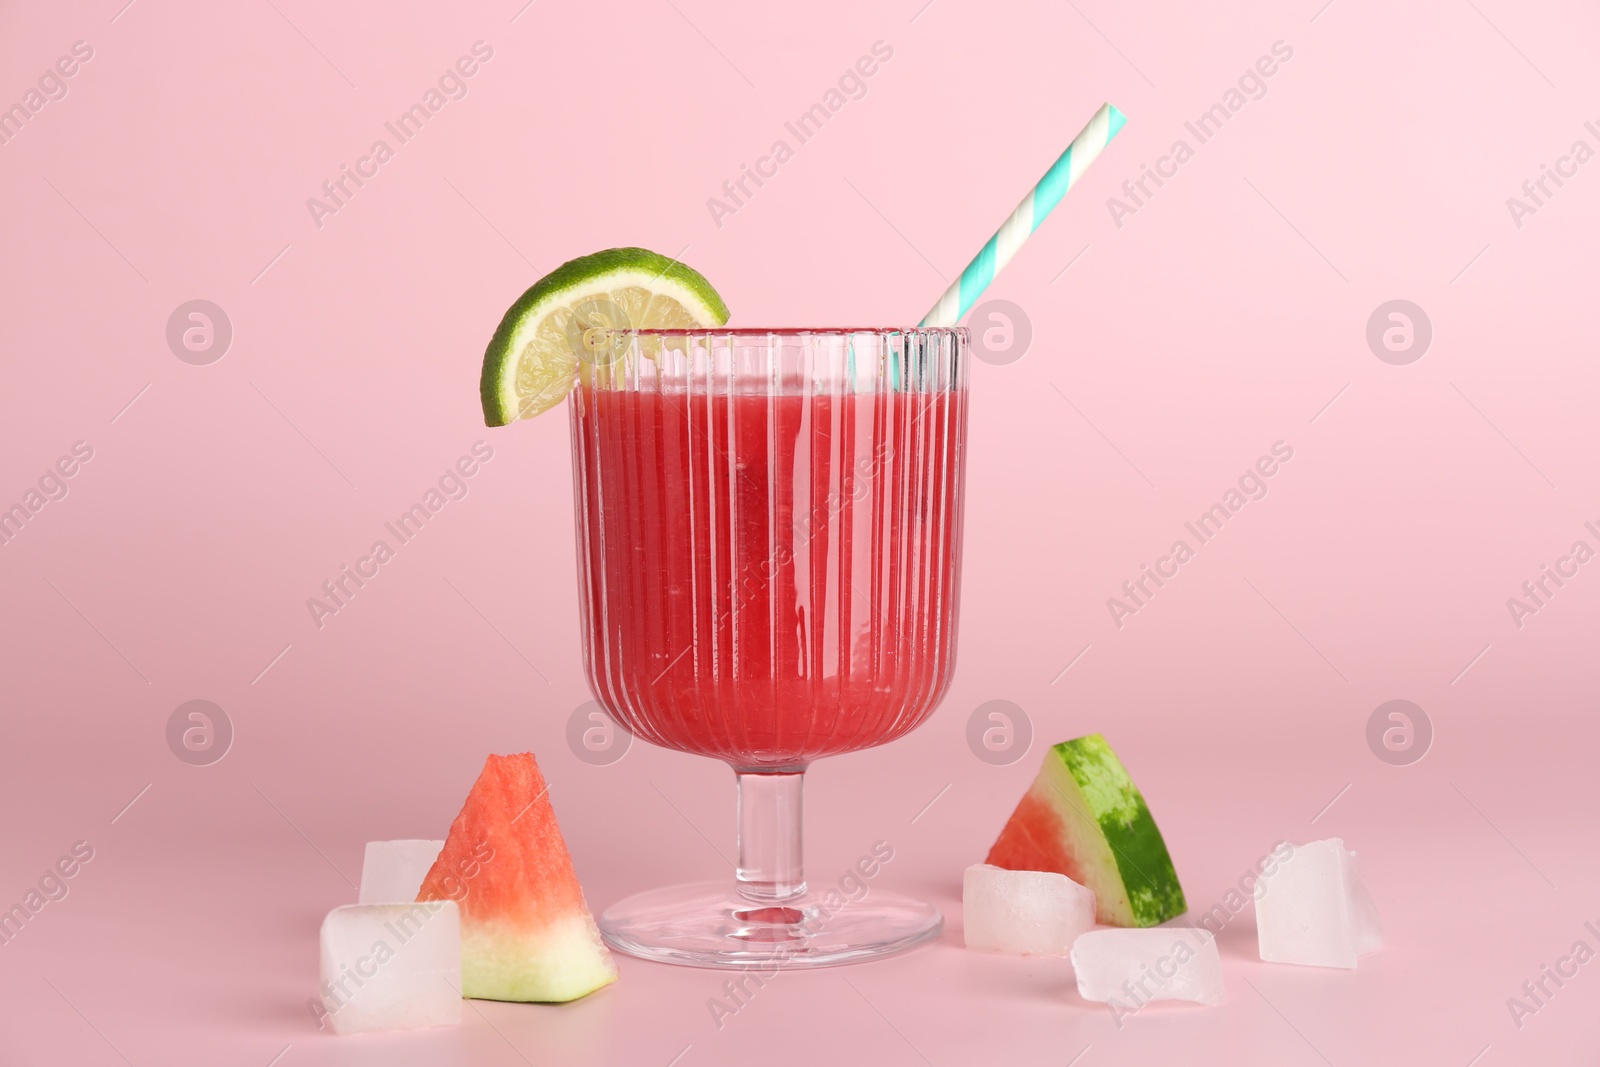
(531,362)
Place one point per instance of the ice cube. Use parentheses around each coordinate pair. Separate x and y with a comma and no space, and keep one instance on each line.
(1031,913)
(391,966)
(1315,910)
(392,871)
(1130,968)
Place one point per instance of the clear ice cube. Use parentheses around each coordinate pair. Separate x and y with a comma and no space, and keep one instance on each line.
(391,966)
(1315,910)
(392,871)
(1030,913)
(1131,968)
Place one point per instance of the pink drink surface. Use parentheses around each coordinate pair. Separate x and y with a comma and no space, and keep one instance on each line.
(768,579)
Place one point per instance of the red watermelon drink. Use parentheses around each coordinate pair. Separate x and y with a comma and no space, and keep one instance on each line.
(768,579)
(768,535)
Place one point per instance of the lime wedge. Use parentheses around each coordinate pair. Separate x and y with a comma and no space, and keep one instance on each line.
(532,360)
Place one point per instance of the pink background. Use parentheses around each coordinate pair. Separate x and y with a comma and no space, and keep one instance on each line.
(1223,316)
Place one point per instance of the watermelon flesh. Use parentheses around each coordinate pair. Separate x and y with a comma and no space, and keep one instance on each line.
(526,933)
(1083,817)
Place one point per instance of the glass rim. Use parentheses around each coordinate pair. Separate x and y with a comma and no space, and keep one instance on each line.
(923,359)
(959,332)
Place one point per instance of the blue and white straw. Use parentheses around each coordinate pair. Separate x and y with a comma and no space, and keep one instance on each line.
(964,292)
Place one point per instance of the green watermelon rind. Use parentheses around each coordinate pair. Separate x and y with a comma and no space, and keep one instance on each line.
(565,961)
(1118,809)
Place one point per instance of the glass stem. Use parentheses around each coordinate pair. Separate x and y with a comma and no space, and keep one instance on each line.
(770,869)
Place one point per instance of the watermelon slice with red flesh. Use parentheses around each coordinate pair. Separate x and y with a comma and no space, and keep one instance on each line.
(526,933)
(1083,817)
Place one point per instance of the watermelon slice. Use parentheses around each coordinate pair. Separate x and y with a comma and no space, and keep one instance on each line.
(1083,817)
(526,933)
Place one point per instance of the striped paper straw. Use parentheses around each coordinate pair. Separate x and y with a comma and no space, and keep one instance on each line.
(964,292)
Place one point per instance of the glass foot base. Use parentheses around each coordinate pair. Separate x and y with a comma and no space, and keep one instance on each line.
(711,925)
